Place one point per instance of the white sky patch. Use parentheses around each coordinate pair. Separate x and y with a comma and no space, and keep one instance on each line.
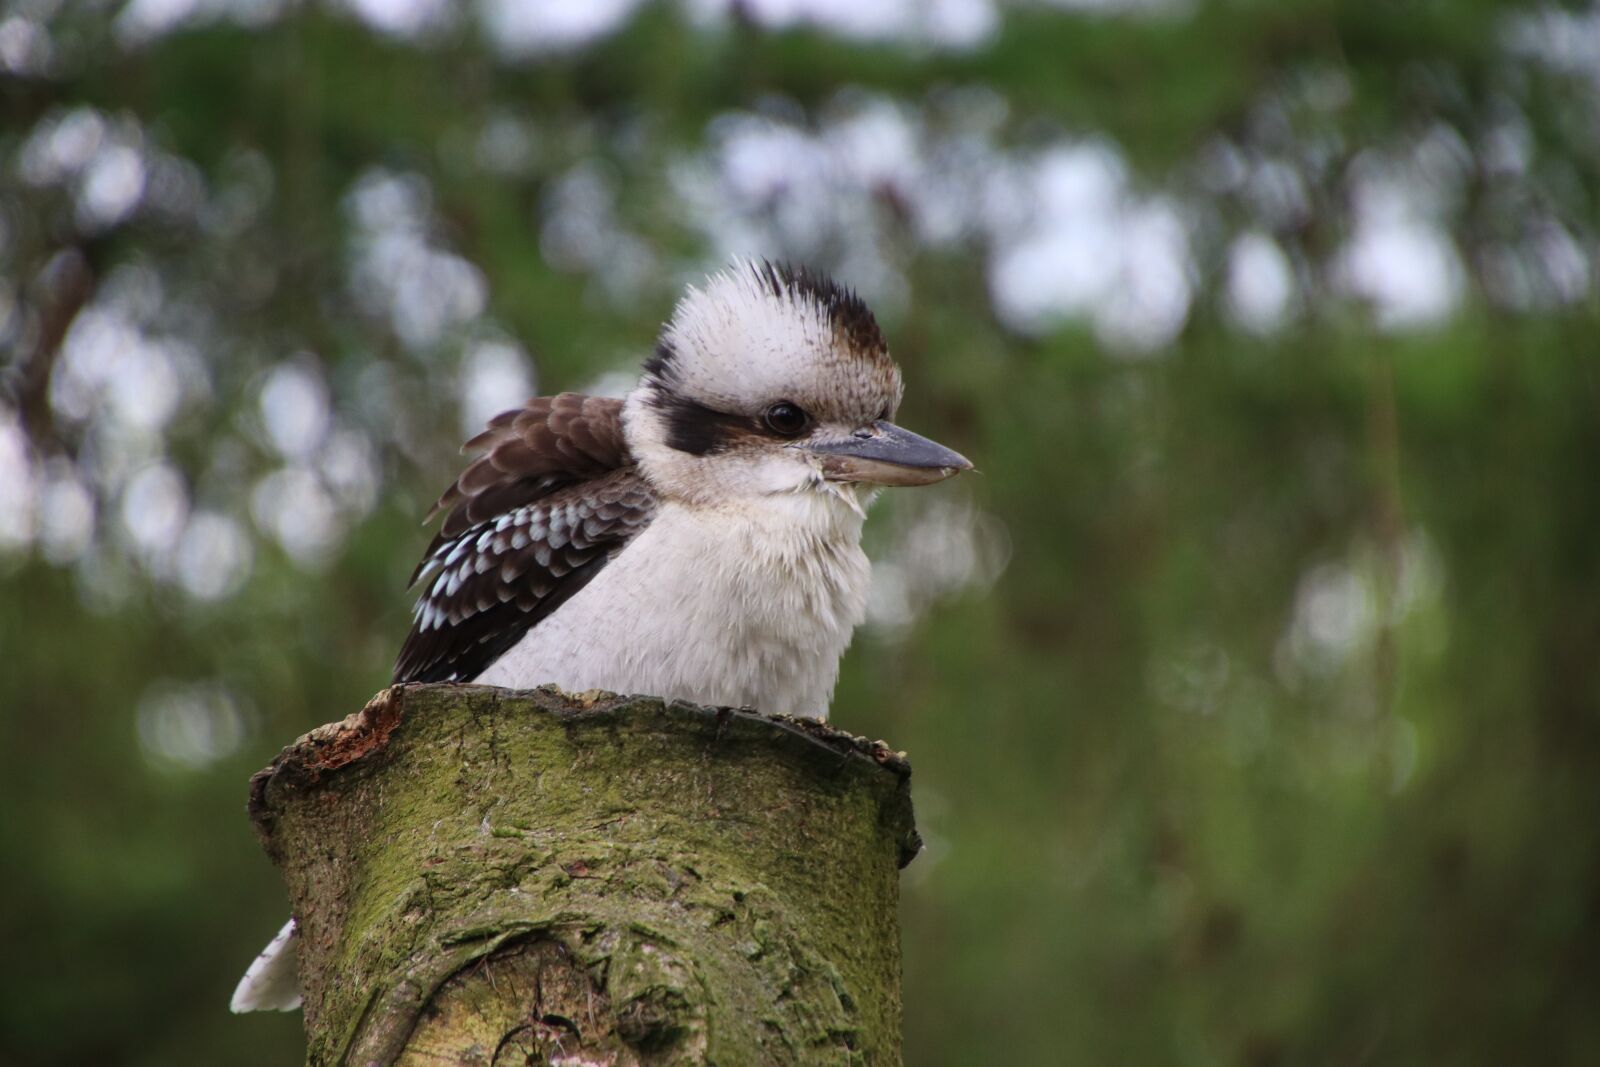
(1220,166)
(1277,194)
(1335,615)
(191,726)
(155,506)
(1260,283)
(839,196)
(1565,264)
(213,557)
(1081,244)
(397,271)
(938,549)
(1566,41)
(113,181)
(944,23)
(115,373)
(108,167)
(111,454)
(403,18)
(18,492)
(350,469)
(1506,150)
(292,506)
(102,159)
(1543,267)
(507,144)
(1421,577)
(876,145)
(958,23)
(1398,259)
(1339,606)
(174,187)
(1069,237)
(66,516)
(295,409)
(495,375)
(761,159)
(527,27)
(1060,264)
(141,21)
(1150,301)
(25,47)
(90,351)
(60,145)
(952,194)
(579,218)
(1443,163)
(583,232)
(146,386)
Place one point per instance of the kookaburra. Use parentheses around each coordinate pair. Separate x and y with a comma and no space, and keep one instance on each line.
(698,540)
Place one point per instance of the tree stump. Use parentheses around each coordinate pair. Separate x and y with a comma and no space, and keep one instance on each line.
(488,876)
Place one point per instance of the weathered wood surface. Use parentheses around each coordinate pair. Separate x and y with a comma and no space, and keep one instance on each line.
(483,876)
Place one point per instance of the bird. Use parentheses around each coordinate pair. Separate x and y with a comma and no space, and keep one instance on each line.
(697,540)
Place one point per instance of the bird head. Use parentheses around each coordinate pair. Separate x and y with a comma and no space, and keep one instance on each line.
(771,380)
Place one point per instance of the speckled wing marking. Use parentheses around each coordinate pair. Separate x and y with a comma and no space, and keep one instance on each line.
(554,498)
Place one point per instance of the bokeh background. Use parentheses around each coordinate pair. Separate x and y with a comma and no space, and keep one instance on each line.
(1253,688)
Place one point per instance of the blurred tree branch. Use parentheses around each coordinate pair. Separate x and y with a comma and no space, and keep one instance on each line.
(60,291)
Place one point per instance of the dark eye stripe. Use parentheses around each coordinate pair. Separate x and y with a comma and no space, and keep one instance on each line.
(700,430)
(696,429)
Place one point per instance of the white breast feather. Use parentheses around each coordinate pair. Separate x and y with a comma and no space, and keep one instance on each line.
(748,605)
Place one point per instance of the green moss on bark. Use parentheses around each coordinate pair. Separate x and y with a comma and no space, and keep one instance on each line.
(481,874)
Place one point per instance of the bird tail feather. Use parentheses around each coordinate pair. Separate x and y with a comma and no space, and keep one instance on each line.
(272,982)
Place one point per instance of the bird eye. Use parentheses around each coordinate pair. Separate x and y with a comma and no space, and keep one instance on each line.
(786,418)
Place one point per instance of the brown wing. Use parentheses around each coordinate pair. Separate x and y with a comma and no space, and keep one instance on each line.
(553,498)
(528,451)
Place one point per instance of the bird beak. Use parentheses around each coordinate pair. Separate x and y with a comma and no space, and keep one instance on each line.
(884,454)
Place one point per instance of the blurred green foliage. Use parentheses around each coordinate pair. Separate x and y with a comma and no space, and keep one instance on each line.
(1276,741)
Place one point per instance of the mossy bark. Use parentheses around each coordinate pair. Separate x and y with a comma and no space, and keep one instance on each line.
(485,876)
